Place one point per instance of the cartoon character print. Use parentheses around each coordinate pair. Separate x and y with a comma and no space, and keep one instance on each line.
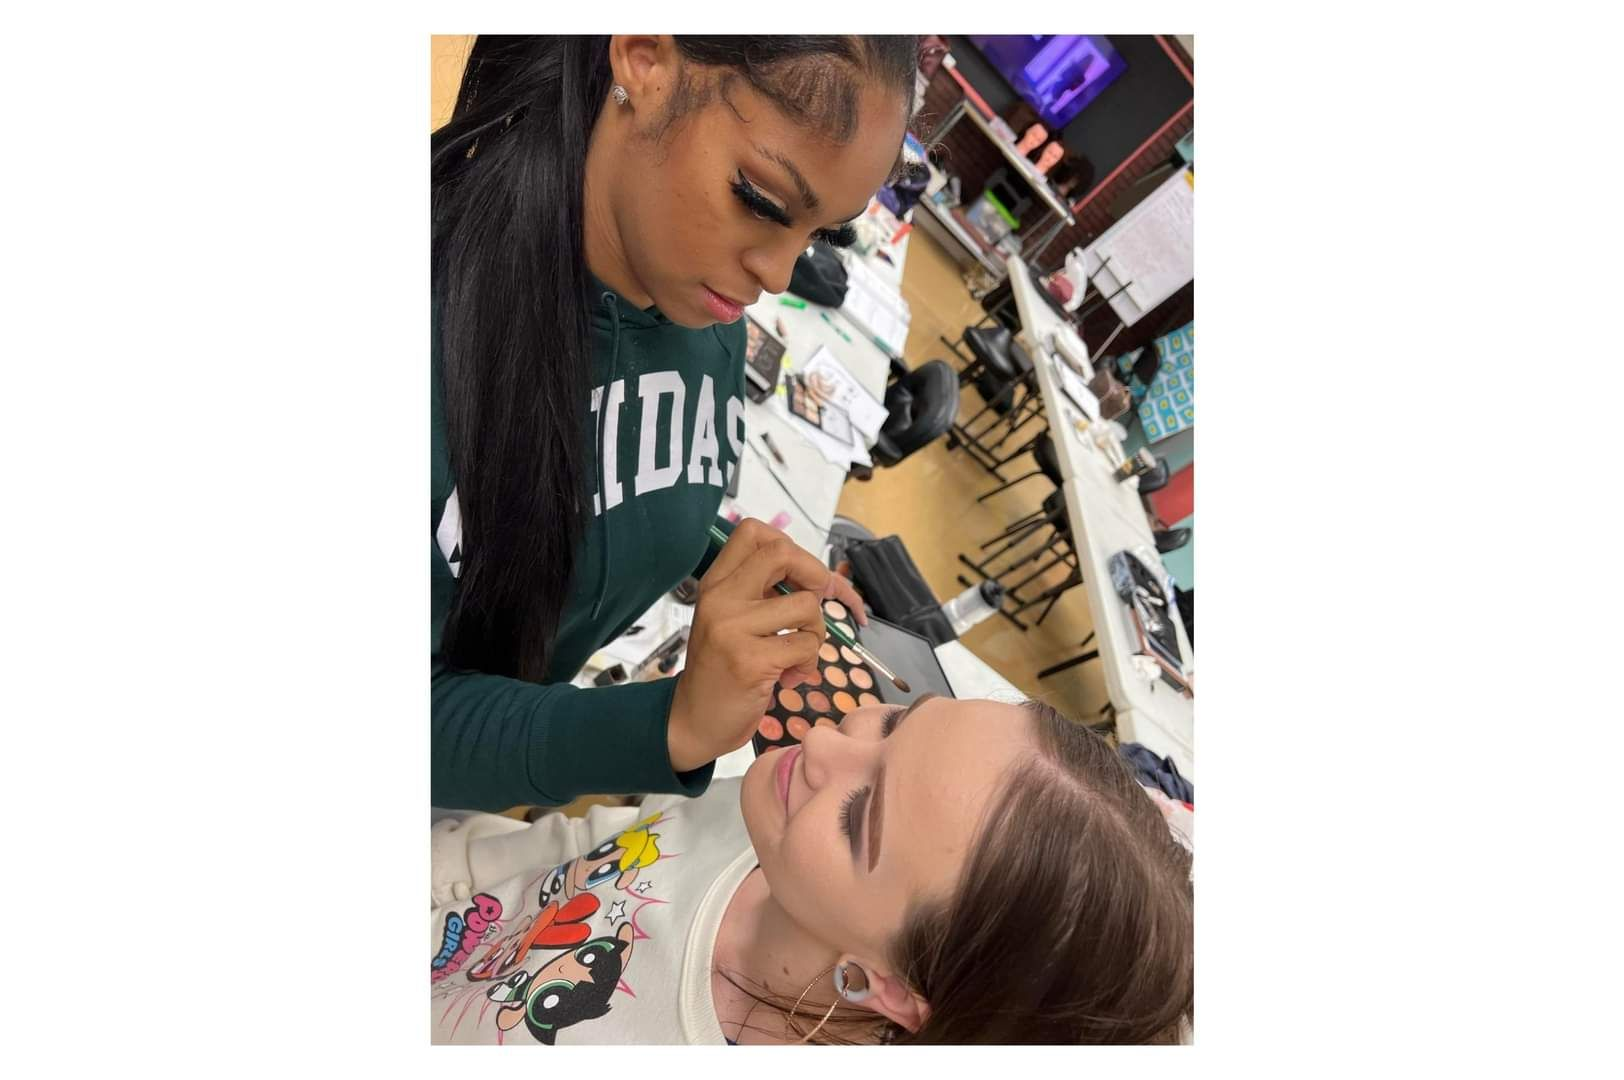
(554,926)
(620,858)
(569,989)
(581,972)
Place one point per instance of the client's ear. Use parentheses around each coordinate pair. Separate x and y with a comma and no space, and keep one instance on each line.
(888,995)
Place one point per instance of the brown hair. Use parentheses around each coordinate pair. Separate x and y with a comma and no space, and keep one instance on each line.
(1073,922)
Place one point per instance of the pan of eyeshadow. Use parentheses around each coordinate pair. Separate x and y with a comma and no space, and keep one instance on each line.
(844,684)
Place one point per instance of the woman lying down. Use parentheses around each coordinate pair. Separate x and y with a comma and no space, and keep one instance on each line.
(952,872)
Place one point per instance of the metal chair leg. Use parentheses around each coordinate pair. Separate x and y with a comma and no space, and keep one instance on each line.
(1009,484)
(1060,591)
(1030,521)
(1080,658)
(1039,572)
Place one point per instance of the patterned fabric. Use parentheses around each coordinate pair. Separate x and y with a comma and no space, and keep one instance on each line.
(1169,404)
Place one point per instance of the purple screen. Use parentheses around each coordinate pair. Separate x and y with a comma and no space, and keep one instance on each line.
(1056,73)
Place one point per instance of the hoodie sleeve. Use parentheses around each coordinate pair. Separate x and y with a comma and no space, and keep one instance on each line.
(499,742)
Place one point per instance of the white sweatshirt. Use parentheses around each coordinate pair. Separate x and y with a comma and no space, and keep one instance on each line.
(594,930)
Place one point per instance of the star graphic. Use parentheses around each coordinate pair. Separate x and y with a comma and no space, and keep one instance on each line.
(643,888)
(617,910)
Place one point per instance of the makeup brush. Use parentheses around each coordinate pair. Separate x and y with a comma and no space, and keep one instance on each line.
(719,538)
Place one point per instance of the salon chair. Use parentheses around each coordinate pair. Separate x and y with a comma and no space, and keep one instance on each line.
(1156,478)
(992,367)
(1014,402)
(1048,459)
(923,404)
(1171,539)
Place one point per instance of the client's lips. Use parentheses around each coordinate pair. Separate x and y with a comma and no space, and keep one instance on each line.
(782,774)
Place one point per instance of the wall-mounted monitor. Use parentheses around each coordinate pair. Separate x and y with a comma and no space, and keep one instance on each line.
(1057,74)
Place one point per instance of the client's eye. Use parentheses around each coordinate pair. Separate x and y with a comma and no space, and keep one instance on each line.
(892,715)
(849,812)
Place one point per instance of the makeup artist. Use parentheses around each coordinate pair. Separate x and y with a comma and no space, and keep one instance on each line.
(603,210)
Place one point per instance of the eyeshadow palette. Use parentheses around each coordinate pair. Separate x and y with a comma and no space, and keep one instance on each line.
(763,359)
(806,402)
(847,683)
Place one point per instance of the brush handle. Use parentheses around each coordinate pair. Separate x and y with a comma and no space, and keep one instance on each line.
(719,538)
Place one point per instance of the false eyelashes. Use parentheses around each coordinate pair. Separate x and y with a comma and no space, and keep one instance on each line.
(764,208)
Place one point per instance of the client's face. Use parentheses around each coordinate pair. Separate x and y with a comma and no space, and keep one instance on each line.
(863,820)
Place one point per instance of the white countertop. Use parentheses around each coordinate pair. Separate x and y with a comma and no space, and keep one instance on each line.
(1106,517)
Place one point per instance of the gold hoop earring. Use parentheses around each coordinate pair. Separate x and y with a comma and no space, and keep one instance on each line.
(797,1006)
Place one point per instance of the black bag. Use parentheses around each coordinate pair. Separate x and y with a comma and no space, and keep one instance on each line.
(819,276)
(895,590)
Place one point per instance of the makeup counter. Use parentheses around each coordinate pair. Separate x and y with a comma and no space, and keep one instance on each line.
(1106,517)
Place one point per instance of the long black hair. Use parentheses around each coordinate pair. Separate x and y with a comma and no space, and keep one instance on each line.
(510,292)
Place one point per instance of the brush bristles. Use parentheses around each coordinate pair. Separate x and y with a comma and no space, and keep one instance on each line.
(902,684)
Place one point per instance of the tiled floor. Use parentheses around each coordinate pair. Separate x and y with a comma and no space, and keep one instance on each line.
(929,500)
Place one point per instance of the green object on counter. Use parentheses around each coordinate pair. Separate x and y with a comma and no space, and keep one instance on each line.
(790,301)
(1010,219)
(835,328)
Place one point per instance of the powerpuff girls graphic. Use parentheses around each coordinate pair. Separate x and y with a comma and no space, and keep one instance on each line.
(619,859)
(559,961)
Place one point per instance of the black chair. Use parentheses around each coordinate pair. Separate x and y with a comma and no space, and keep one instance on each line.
(1172,539)
(923,403)
(992,366)
(1015,575)
(1014,400)
(1048,459)
(1156,478)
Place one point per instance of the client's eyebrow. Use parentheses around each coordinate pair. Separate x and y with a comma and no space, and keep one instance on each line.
(876,819)
(876,803)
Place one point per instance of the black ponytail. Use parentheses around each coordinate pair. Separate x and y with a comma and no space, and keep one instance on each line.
(511,283)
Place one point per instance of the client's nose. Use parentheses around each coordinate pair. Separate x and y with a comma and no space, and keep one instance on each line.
(830,754)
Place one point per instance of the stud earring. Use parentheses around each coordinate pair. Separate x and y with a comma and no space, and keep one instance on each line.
(851,993)
(619,94)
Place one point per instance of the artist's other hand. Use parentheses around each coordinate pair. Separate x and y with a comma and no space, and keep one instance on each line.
(736,656)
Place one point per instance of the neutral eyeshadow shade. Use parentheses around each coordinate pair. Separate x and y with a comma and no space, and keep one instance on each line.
(849,655)
(861,679)
(866,700)
(824,721)
(790,700)
(845,628)
(845,702)
(835,608)
(770,728)
(797,728)
(836,676)
(817,701)
(828,653)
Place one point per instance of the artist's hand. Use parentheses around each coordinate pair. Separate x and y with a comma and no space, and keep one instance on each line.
(736,656)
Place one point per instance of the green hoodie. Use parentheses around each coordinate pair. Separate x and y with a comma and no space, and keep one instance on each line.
(500,742)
